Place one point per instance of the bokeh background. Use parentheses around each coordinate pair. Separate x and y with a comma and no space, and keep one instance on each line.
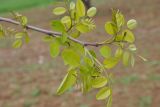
(29,77)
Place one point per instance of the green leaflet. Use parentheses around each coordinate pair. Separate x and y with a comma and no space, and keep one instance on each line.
(68,81)
(71,58)
(64,37)
(131,24)
(75,34)
(109,103)
(88,61)
(99,82)
(57,26)
(103,93)
(80,9)
(105,51)
(1,32)
(24,20)
(54,49)
(132,60)
(85,26)
(132,47)
(91,12)
(17,43)
(126,57)
(129,36)
(66,20)
(110,62)
(119,53)
(72,5)
(59,10)
(110,28)
(120,20)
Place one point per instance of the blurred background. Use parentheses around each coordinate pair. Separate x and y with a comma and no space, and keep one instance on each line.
(29,77)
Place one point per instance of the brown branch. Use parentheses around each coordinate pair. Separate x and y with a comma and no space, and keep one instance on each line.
(52,33)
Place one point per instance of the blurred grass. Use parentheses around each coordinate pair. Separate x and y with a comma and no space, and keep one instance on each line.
(12,5)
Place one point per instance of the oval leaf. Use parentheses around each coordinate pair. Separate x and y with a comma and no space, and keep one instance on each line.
(105,51)
(131,24)
(54,49)
(111,62)
(99,82)
(103,93)
(92,12)
(59,10)
(110,28)
(17,44)
(129,36)
(71,58)
(80,9)
(68,81)
(126,57)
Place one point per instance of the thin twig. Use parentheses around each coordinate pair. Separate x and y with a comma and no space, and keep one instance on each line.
(53,34)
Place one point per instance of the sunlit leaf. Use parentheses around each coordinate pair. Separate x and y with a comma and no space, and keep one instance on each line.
(71,58)
(132,60)
(91,12)
(105,51)
(54,49)
(131,24)
(126,58)
(103,93)
(17,43)
(132,47)
(24,20)
(99,82)
(72,5)
(109,102)
(129,36)
(59,10)
(110,28)
(111,62)
(120,19)
(68,81)
(57,26)
(80,9)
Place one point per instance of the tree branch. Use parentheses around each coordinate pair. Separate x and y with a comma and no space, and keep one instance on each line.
(52,33)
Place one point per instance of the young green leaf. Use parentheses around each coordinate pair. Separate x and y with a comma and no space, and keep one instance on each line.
(17,43)
(71,58)
(24,20)
(111,62)
(105,51)
(80,9)
(132,47)
(59,10)
(47,38)
(75,34)
(99,82)
(103,93)
(132,60)
(110,28)
(66,19)
(126,57)
(91,12)
(19,35)
(119,53)
(64,37)
(129,36)
(54,49)
(109,103)
(120,19)
(72,5)
(68,81)
(27,38)
(57,26)
(131,24)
